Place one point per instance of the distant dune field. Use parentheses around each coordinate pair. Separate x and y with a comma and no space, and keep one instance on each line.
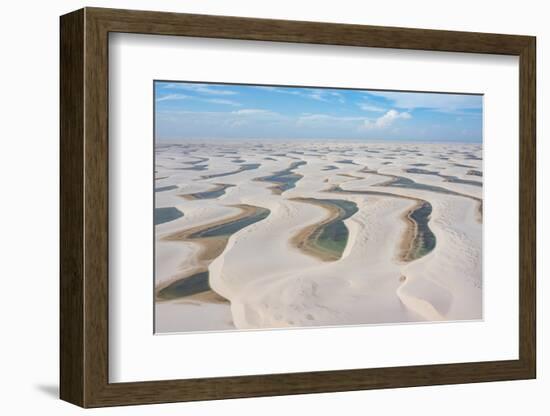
(262,234)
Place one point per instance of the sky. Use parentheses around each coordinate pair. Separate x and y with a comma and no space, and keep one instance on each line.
(185,110)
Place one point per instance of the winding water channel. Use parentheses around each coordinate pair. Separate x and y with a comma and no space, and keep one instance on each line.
(326,240)
(218,190)
(419,239)
(212,238)
(283,180)
(242,168)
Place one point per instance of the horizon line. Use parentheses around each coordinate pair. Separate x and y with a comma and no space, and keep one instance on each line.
(316,138)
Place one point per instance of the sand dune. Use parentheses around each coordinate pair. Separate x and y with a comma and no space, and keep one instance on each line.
(298,265)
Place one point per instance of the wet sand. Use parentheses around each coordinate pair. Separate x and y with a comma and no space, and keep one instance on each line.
(418,239)
(283,180)
(288,270)
(212,239)
(411,246)
(307,239)
(217,191)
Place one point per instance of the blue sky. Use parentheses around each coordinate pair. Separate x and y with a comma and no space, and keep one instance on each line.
(193,110)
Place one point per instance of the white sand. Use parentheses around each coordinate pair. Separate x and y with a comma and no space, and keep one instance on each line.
(270,283)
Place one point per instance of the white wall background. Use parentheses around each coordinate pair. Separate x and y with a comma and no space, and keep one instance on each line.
(29,208)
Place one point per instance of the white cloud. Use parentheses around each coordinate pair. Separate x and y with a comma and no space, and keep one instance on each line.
(200,88)
(221,119)
(253,111)
(319,118)
(448,103)
(174,97)
(370,107)
(317,94)
(386,120)
(265,87)
(222,101)
(171,97)
(339,97)
(322,95)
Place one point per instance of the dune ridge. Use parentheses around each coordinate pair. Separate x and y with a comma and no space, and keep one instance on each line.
(279,272)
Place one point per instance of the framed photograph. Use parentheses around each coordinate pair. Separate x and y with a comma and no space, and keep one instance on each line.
(255,207)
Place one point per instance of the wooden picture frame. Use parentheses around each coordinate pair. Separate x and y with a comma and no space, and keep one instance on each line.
(84,207)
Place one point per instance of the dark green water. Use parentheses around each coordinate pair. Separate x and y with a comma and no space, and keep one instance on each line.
(425,240)
(332,237)
(401,182)
(199,282)
(242,168)
(165,188)
(454,179)
(196,162)
(217,192)
(188,286)
(346,161)
(231,227)
(447,178)
(422,171)
(167,214)
(284,179)
(194,167)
